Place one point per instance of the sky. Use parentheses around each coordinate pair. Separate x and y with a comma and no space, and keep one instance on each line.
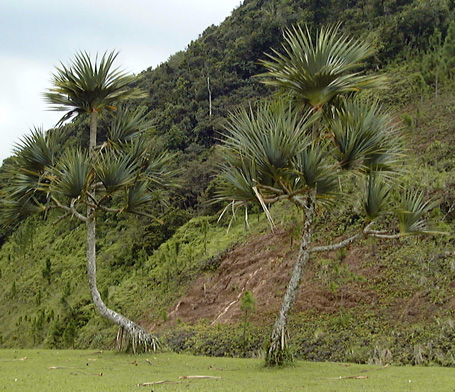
(38,35)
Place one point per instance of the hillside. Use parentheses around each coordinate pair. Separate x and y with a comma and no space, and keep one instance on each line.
(379,301)
(185,279)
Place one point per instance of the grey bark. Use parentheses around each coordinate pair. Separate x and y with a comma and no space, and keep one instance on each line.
(138,334)
(210,96)
(277,352)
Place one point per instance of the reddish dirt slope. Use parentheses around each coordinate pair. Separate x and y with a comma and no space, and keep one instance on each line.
(262,266)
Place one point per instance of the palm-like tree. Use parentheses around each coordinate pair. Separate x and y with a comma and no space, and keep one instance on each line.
(112,178)
(317,70)
(269,157)
(272,154)
(90,87)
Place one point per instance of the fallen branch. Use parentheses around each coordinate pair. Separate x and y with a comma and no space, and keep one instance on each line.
(199,377)
(146,384)
(347,378)
(59,367)
(357,377)
(88,374)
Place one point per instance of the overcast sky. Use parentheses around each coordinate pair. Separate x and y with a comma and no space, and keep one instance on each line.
(36,35)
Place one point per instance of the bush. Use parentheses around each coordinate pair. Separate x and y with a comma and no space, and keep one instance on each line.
(216,341)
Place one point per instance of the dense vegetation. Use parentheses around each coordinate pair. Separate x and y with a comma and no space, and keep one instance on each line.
(144,265)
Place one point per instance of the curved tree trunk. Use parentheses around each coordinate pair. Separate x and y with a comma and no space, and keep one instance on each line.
(277,352)
(138,334)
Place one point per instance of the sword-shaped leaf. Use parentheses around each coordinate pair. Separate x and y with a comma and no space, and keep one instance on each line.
(72,174)
(85,86)
(365,138)
(315,171)
(128,123)
(114,171)
(317,70)
(412,214)
(375,196)
(138,197)
(37,151)
(271,136)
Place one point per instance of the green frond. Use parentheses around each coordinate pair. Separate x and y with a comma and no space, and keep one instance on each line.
(128,123)
(158,168)
(270,136)
(151,161)
(375,196)
(317,70)
(365,138)
(13,212)
(114,171)
(27,191)
(138,197)
(85,85)
(412,213)
(136,149)
(271,150)
(72,174)
(37,151)
(313,170)
(22,181)
(237,183)
(24,194)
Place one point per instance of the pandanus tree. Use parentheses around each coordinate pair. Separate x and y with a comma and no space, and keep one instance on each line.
(115,177)
(315,71)
(271,154)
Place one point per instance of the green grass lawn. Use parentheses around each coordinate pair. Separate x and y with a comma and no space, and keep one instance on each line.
(56,371)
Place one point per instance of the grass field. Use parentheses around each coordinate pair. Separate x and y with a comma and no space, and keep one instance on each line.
(56,371)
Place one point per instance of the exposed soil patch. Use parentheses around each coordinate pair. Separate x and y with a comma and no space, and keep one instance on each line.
(263,266)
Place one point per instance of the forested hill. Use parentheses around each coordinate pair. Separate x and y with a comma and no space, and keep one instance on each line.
(191,94)
(146,267)
(220,66)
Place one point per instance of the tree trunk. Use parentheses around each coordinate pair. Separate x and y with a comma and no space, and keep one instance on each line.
(277,352)
(138,334)
(93,130)
(210,96)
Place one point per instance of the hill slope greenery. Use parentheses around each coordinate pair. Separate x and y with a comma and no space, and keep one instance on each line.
(377,302)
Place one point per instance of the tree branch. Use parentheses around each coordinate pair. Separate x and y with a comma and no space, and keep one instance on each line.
(71,210)
(344,243)
(90,196)
(386,236)
(113,210)
(77,214)
(271,189)
(286,190)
